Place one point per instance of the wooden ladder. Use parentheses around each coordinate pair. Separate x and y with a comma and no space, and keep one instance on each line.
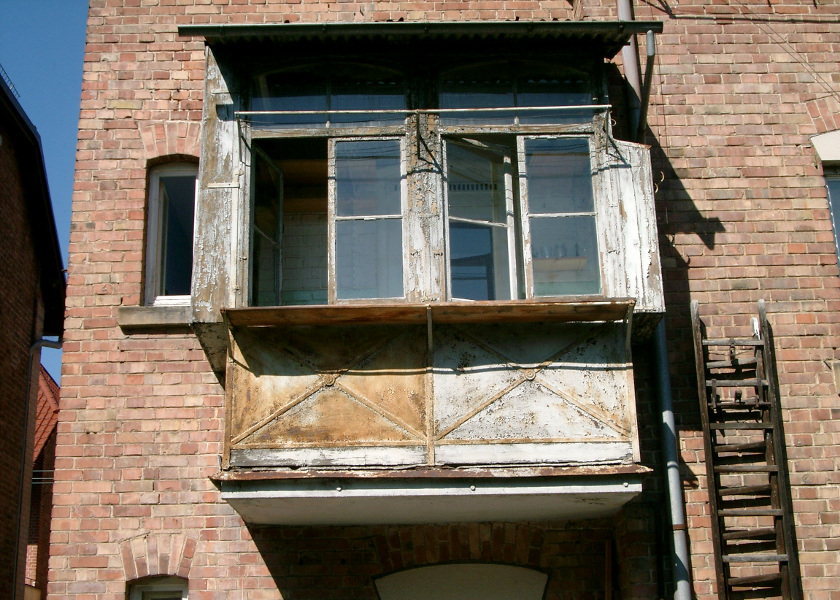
(746,464)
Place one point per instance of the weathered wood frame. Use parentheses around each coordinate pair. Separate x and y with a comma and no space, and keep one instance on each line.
(333,218)
(622,185)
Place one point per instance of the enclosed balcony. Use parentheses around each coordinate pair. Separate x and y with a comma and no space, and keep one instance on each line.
(430,413)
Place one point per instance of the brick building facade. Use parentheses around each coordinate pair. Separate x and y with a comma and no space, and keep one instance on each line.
(32,297)
(162,479)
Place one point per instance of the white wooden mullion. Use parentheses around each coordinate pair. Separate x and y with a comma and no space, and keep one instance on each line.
(404,215)
(527,262)
(447,292)
(510,212)
(331,220)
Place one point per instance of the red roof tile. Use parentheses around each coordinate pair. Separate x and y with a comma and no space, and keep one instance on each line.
(47,411)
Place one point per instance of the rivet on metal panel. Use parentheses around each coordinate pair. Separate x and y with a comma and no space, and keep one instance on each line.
(329,380)
(472,488)
(338,488)
(530,374)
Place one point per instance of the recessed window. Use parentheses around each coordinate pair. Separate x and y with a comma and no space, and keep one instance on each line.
(159,588)
(832,182)
(169,242)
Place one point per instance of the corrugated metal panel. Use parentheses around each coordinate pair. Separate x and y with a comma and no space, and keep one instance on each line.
(606,36)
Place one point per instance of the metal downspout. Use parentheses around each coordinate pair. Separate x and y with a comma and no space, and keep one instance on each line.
(672,465)
(630,58)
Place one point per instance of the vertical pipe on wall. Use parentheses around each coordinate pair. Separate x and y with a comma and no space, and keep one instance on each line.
(672,465)
(630,59)
(682,591)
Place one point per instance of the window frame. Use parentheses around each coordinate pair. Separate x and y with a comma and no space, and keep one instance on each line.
(156,234)
(832,176)
(595,128)
(155,587)
(333,218)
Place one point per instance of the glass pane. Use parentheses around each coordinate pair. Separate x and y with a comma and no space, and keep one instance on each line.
(559,176)
(475,183)
(568,90)
(369,259)
(370,95)
(476,93)
(368,178)
(275,96)
(268,193)
(565,256)
(178,194)
(479,262)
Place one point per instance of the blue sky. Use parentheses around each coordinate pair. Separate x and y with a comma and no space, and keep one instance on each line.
(41,49)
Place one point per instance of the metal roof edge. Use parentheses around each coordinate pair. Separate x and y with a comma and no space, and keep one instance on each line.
(407,30)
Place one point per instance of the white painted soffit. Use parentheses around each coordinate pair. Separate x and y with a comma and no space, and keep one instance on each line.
(827,146)
(406,501)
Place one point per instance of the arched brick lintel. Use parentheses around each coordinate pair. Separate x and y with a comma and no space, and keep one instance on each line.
(170,138)
(157,554)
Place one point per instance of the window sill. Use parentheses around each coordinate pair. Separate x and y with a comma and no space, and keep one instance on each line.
(510,311)
(137,319)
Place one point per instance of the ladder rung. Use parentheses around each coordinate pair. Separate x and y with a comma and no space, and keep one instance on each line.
(750,534)
(742,502)
(751,546)
(723,364)
(735,382)
(747,490)
(741,558)
(734,342)
(747,447)
(749,403)
(741,458)
(747,469)
(750,512)
(766,579)
(741,425)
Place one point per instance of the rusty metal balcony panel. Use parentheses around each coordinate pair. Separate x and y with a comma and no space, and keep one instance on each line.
(410,395)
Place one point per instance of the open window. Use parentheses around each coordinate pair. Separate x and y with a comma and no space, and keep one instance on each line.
(335,155)
(328,221)
(521,217)
(169,235)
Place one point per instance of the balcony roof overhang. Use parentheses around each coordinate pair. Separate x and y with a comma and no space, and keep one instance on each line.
(604,37)
(344,498)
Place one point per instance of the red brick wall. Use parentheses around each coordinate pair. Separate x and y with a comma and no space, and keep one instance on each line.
(20,325)
(742,215)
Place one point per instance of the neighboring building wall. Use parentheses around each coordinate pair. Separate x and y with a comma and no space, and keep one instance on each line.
(37,551)
(742,215)
(20,323)
(32,299)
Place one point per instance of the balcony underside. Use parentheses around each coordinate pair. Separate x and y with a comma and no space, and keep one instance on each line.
(341,498)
